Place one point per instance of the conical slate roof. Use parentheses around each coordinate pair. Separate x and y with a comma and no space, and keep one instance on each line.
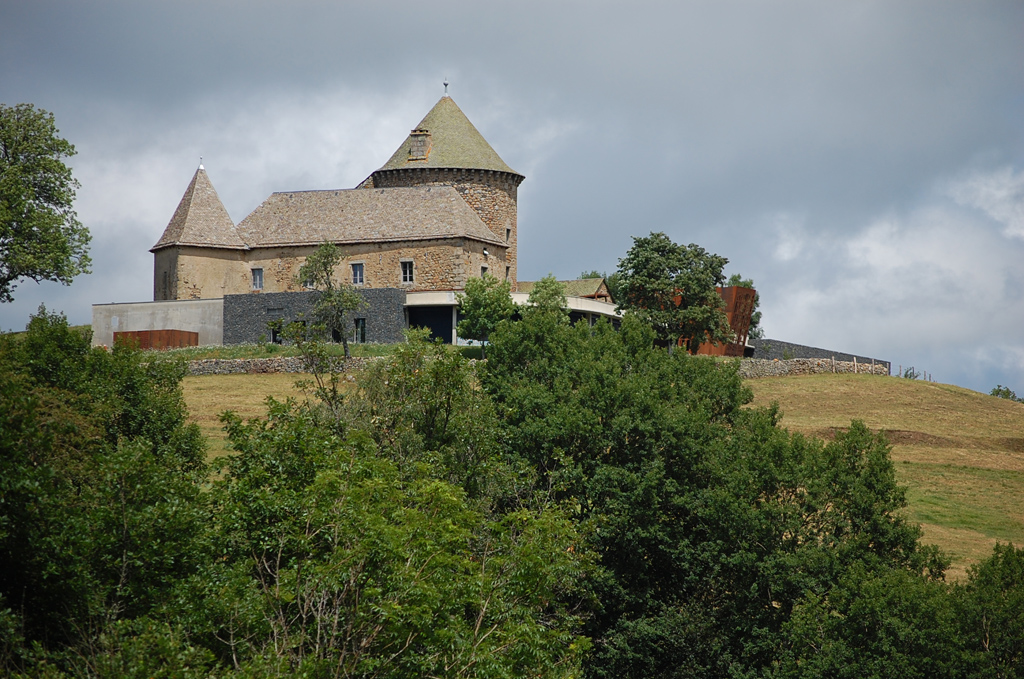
(200,219)
(446,139)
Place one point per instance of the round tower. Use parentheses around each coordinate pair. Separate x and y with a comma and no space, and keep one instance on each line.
(445,149)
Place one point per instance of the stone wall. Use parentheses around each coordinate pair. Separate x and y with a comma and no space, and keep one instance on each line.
(776,349)
(493,195)
(254,366)
(246,316)
(755,367)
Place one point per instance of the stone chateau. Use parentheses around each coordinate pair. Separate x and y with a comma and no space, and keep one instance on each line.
(441,210)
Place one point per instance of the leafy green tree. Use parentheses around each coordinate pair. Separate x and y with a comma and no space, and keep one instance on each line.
(672,287)
(337,298)
(888,623)
(547,296)
(755,331)
(485,303)
(990,607)
(710,522)
(337,561)
(1005,392)
(40,235)
(101,506)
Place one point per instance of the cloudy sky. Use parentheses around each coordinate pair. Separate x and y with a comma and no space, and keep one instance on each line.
(863,162)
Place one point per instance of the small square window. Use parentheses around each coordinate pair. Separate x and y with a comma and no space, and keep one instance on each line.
(257,279)
(483,271)
(357,274)
(407,272)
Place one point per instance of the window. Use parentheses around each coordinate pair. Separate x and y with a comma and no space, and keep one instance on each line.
(407,276)
(483,271)
(357,274)
(359,333)
(508,270)
(508,234)
(257,279)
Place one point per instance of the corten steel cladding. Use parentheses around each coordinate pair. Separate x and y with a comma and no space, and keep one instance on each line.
(739,305)
(159,339)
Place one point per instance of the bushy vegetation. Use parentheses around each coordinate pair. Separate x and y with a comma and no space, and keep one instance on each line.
(582,504)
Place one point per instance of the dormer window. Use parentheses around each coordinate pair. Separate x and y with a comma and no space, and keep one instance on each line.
(419,144)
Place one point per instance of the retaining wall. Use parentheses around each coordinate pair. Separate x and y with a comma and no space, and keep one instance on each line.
(772,349)
(254,366)
(756,367)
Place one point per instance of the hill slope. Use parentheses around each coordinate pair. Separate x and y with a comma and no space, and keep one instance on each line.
(960,453)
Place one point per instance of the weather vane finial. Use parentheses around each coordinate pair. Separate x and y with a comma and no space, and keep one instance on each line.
(446,87)
(200,162)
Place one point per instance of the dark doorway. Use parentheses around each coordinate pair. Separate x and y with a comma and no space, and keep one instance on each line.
(438,319)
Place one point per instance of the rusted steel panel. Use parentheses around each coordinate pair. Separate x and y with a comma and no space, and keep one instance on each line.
(739,306)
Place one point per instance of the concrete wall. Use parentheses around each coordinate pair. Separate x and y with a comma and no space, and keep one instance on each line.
(204,316)
(246,316)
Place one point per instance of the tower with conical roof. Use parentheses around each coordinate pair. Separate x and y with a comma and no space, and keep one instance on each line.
(445,149)
(200,252)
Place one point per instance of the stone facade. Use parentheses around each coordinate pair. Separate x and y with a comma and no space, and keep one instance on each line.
(184,272)
(246,317)
(440,264)
(492,195)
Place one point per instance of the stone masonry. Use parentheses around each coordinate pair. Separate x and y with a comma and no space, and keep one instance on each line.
(246,316)
(493,195)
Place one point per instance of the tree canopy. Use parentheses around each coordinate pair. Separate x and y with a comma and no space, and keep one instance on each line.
(40,235)
(582,504)
(672,287)
(337,298)
(485,303)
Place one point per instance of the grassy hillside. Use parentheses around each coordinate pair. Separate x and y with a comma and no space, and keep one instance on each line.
(960,453)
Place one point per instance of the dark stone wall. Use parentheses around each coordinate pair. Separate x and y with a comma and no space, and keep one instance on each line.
(246,316)
(772,349)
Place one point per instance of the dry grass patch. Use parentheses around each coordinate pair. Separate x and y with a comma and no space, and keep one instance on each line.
(208,396)
(959,452)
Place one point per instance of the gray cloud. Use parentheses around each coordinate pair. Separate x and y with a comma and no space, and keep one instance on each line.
(861,162)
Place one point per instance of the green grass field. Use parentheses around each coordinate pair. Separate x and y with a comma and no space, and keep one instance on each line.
(959,453)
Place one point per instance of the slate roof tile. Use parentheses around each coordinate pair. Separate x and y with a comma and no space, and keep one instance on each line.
(200,219)
(453,142)
(363,216)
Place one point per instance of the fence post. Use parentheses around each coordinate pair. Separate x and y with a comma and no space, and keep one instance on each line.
(854,365)
(833,364)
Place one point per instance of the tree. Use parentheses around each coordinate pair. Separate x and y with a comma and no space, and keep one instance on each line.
(1005,392)
(672,287)
(755,331)
(336,299)
(486,302)
(548,295)
(40,235)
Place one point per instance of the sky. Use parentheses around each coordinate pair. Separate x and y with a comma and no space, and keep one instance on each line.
(862,162)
